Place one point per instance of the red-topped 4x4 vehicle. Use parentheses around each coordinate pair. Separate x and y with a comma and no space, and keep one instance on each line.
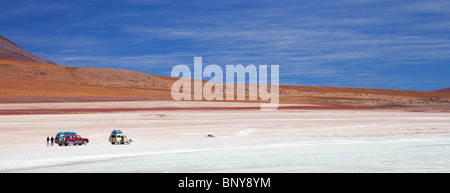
(70,138)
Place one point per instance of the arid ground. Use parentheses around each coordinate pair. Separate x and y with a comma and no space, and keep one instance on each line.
(168,140)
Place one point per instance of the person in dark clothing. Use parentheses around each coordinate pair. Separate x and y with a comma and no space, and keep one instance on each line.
(52,139)
(48,140)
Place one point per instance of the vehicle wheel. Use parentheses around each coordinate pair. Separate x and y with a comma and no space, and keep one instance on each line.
(84,143)
(71,143)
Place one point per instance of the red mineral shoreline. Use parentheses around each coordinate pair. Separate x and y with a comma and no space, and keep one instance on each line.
(111,110)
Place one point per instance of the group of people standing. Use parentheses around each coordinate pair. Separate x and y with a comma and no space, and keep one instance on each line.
(52,140)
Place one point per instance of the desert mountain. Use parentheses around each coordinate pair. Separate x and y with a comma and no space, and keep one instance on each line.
(10,51)
(35,82)
(447,90)
(25,77)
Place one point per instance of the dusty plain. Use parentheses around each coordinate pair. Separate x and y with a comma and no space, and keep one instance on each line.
(168,140)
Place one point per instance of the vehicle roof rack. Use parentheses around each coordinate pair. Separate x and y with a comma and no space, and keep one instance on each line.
(116,131)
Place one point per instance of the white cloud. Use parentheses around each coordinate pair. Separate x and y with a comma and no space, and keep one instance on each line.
(335,39)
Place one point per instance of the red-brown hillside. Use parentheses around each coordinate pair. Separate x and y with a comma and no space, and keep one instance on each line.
(25,77)
(10,51)
(447,90)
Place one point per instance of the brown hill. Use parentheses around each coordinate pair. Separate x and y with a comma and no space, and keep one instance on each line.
(34,82)
(25,77)
(447,90)
(359,96)
(10,51)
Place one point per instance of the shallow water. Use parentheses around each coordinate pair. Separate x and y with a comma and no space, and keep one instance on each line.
(412,155)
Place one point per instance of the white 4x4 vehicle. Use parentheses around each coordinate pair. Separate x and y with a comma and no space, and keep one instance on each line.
(117,137)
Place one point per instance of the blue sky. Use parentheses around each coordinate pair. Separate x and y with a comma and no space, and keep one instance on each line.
(350,43)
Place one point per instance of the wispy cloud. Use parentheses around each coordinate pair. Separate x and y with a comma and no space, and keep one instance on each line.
(316,42)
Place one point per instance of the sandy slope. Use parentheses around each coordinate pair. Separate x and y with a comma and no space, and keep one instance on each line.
(10,51)
(25,77)
(23,137)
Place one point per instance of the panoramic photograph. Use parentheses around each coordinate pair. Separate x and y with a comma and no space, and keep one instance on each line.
(153,86)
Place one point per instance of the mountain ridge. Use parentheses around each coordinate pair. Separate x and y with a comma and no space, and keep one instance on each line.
(10,51)
(447,90)
(36,80)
